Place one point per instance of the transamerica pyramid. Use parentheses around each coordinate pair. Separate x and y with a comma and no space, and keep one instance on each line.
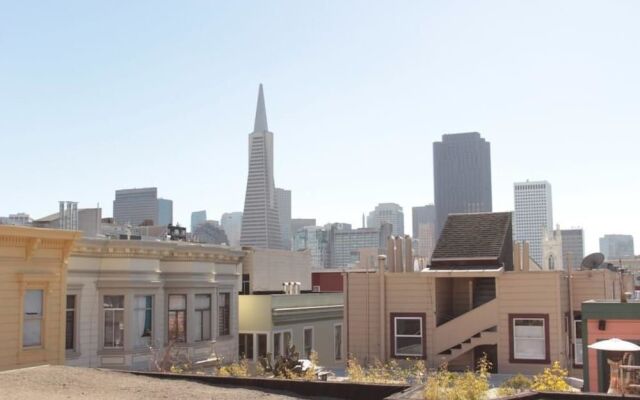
(260,222)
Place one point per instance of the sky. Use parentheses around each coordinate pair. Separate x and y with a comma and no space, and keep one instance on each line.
(98,96)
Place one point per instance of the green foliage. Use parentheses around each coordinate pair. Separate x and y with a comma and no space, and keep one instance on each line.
(514,385)
(240,368)
(470,385)
(389,372)
(551,380)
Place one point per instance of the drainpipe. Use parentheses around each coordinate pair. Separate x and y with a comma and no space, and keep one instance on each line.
(572,327)
(345,317)
(381,270)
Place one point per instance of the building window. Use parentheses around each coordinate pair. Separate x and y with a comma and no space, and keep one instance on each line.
(246,284)
(277,345)
(287,339)
(529,337)
(577,344)
(337,342)
(113,321)
(245,347)
(308,341)
(408,335)
(262,345)
(224,314)
(32,324)
(178,318)
(144,318)
(203,317)
(70,323)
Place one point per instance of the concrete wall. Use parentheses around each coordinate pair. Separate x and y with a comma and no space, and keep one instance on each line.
(270,268)
(32,258)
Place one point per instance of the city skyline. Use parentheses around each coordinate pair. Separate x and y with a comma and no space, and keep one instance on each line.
(171,101)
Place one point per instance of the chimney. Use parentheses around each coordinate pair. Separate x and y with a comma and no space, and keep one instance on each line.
(408,254)
(391,246)
(399,259)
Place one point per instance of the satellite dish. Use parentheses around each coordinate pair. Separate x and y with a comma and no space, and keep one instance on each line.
(592,261)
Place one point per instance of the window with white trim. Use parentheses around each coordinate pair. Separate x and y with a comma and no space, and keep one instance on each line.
(177,317)
(407,338)
(245,345)
(577,344)
(113,321)
(70,323)
(224,314)
(32,323)
(337,342)
(529,340)
(308,341)
(143,312)
(203,317)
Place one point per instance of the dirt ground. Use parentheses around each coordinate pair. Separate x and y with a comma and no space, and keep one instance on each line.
(59,382)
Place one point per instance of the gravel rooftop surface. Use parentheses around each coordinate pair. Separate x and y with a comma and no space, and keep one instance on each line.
(60,382)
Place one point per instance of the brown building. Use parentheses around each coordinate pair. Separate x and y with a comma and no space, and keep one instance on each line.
(480,295)
(33,285)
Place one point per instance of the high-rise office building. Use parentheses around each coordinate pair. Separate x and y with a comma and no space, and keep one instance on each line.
(316,240)
(232,225)
(572,247)
(284,211)
(615,247)
(387,213)
(424,230)
(533,216)
(197,218)
(462,175)
(165,212)
(260,220)
(136,206)
(209,232)
(299,223)
(345,243)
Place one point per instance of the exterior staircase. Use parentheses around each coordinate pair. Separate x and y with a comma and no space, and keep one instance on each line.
(473,328)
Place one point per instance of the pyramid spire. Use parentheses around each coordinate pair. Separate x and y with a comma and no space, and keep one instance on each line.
(261,114)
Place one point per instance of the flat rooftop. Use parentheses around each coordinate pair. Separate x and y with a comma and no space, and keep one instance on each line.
(60,382)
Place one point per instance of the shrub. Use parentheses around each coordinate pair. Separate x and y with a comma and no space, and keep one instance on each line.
(515,384)
(240,368)
(470,385)
(551,380)
(389,372)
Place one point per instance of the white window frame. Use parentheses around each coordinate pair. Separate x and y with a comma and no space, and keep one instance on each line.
(186,317)
(153,319)
(124,319)
(335,356)
(199,313)
(229,306)
(269,349)
(36,317)
(396,336)
(543,338)
(253,346)
(304,340)
(577,344)
(75,321)
(282,347)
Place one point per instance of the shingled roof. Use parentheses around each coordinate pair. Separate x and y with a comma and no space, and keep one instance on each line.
(482,240)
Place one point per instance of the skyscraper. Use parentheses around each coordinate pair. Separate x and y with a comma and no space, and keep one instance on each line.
(197,218)
(232,225)
(284,211)
(165,212)
(617,246)
(260,220)
(572,247)
(533,216)
(462,175)
(424,229)
(390,213)
(136,206)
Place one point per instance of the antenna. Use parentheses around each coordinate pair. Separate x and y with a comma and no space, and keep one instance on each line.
(592,261)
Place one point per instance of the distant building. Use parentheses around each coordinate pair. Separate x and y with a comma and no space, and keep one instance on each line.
(209,232)
(284,212)
(462,175)
(617,246)
(87,220)
(390,213)
(232,225)
(20,219)
(165,212)
(136,206)
(344,242)
(297,223)
(552,256)
(197,218)
(316,240)
(260,220)
(533,216)
(572,247)
(424,229)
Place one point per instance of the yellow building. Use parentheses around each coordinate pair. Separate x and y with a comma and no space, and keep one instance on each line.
(32,292)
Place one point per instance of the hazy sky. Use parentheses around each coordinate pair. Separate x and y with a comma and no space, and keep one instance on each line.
(97,96)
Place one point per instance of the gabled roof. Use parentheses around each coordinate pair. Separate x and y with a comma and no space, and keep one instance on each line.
(474,239)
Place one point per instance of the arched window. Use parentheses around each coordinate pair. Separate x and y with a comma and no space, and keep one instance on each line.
(552,263)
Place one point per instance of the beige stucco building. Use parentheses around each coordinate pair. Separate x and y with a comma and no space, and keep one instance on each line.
(32,291)
(480,295)
(127,295)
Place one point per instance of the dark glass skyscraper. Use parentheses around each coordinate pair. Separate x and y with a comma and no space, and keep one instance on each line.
(462,175)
